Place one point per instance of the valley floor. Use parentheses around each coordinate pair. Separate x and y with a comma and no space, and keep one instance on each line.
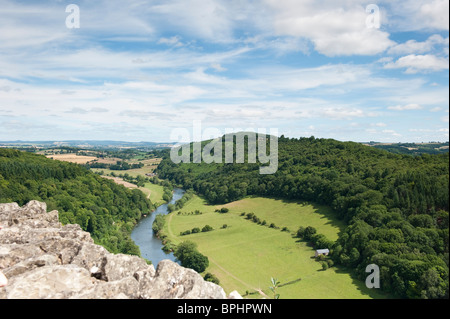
(245,255)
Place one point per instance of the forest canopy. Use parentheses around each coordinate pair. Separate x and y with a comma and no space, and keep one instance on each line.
(106,210)
(395,205)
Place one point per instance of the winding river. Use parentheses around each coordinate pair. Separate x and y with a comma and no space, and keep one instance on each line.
(143,236)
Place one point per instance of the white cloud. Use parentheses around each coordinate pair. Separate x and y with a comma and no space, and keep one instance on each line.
(211,19)
(218,67)
(335,28)
(172,41)
(419,63)
(341,113)
(406,107)
(412,15)
(391,132)
(380,124)
(435,14)
(412,46)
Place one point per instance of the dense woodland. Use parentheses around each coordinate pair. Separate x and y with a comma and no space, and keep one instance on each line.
(414,148)
(395,205)
(107,210)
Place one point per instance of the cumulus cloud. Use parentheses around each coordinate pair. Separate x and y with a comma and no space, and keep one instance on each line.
(335,28)
(435,14)
(413,46)
(419,63)
(412,15)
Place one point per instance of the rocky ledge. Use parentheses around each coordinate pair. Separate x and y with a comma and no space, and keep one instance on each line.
(41,258)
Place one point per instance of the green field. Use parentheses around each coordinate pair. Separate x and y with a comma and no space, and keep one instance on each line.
(155,193)
(245,255)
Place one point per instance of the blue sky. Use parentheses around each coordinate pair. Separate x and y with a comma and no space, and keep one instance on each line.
(136,70)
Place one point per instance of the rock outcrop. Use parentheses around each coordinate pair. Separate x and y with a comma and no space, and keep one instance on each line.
(41,258)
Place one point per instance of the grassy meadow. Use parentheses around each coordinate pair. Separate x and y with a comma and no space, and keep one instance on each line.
(155,192)
(245,255)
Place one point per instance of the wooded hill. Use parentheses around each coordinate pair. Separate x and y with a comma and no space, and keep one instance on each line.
(106,210)
(396,206)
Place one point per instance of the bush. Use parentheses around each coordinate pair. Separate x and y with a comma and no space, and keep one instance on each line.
(158,223)
(207,228)
(301,232)
(309,232)
(195,230)
(212,278)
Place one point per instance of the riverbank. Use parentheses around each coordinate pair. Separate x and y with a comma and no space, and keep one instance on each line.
(143,236)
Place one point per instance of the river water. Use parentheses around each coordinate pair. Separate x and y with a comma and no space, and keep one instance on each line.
(143,236)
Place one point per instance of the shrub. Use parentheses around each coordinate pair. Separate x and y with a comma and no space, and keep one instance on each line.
(212,278)
(207,228)
(301,232)
(250,216)
(309,232)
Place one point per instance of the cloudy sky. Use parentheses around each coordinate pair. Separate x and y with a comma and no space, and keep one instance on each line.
(136,70)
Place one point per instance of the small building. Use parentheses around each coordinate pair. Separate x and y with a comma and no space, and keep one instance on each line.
(322,252)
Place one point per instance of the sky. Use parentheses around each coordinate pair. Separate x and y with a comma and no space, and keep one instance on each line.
(139,70)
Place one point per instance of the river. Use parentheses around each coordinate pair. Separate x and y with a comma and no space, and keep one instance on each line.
(143,236)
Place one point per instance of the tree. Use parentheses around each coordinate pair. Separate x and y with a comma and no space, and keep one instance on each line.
(190,257)
(185,248)
(433,286)
(309,232)
(300,232)
(207,228)
(195,261)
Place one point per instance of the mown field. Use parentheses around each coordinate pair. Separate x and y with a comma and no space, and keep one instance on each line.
(73,158)
(245,255)
(155,192)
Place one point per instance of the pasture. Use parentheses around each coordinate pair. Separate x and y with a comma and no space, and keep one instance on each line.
(245,255)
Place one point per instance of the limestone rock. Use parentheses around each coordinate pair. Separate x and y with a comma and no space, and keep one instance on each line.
(43,259)
(51,282)
(175,282)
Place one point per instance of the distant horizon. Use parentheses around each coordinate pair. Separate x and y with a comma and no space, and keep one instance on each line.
(174,142)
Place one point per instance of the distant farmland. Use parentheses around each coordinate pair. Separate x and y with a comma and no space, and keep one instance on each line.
(73,158)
